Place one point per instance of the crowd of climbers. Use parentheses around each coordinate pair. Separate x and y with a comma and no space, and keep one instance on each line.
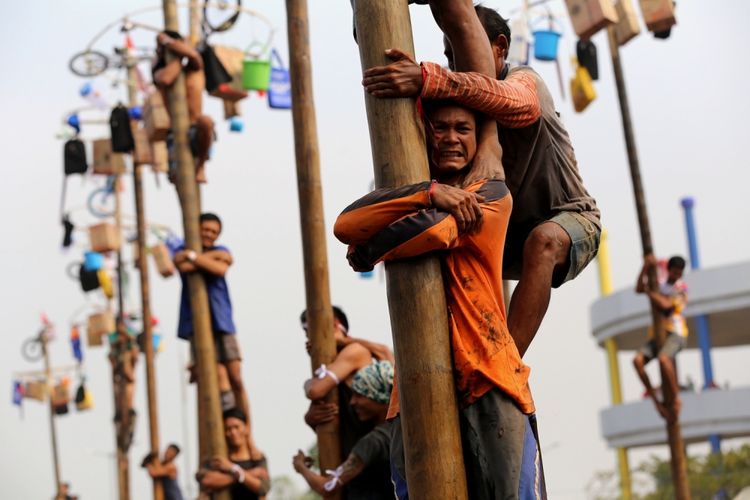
(506,201)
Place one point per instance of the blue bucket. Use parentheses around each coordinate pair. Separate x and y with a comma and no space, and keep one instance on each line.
(236,124)
(93,261)
(545,45)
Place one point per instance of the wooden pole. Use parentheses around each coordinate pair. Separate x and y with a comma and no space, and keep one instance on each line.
(416,296)
(194,33)
(52,428)
(211,423)
(317,292)
(674,433)
(121,426)
(142,261)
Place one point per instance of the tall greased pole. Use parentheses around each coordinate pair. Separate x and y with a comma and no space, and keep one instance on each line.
(210,425)
(317,292)
(674,433)
(605,287)
(148,345)
(52,429)
(416,297)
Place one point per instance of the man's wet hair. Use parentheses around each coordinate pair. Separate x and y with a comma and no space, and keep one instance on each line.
(208,216)
(173,34)
(338,314)
(235,413)
(676,262)
(175,448)
(493,23)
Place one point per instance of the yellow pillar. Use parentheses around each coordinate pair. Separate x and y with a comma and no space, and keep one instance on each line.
(605,286)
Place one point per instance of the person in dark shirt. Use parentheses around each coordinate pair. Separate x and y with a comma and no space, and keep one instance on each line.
(165,470)
(213,262)
(245,477)
(368,461)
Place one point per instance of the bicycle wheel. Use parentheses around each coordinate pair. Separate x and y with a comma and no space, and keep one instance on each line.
(222,17)
(89,63)
(32,349)
(98,202)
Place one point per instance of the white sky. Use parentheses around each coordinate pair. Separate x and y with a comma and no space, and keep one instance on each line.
(689,103)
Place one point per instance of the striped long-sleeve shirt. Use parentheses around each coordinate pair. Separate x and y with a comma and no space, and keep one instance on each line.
(540,165)
(391,224)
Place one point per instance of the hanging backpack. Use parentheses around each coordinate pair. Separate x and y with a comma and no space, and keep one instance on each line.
(586,53)
(215,72)
(89,279)
(122,135)
(280,86)
(582,89)
(74,157)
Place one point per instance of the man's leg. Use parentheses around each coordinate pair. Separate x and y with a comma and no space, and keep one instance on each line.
(204,137)
(501,451)
(667,365)
(398,463)
(640,361)
(547,248)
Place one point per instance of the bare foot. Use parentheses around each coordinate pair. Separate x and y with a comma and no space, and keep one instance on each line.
(665,414)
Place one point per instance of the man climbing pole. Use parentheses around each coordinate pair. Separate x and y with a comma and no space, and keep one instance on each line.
(670,299)
(352,355)
(201,132)
(213,263)
(368,460)
(123,356)
(554,228)
(468,225)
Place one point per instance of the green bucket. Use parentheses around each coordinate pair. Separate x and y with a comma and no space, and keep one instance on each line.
(256,74)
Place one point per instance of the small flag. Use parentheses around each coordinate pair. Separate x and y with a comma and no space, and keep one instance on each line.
(75,343)
(17,393)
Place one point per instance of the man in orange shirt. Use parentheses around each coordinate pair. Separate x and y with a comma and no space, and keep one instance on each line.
(467,226)
(555,226)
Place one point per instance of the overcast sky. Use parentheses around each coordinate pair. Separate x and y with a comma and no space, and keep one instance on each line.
(689,102)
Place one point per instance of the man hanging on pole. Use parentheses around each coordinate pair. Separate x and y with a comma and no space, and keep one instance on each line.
(554,228)
(467,226)
(201,132)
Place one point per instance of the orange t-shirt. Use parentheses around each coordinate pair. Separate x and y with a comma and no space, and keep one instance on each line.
(392,224)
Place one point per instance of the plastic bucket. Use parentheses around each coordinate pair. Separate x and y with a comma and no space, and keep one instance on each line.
(545,44)
(235,124)
(256,74)
(93,261)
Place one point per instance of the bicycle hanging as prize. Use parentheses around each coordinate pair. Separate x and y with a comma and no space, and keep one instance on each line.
(256,68)
(280,87)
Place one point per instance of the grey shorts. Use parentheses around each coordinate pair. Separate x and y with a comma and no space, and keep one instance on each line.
(225,345)
(501,451)
(672,345)
(584,237)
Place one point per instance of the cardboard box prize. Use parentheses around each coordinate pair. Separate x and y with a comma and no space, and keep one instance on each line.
(155,117)
(590,16)
(627,26)
(99,324)
(103,237)
(658,14)
(105,161)
(163,260)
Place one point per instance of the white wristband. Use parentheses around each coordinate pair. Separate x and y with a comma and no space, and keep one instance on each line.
(238,473)
(323,371)
(335,478)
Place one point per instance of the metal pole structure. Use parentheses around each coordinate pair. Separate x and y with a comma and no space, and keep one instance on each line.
(52,428)
(148,344)
(701,322)
(605,287)
(674,433)
(416,296)
(317,291)
(210,424)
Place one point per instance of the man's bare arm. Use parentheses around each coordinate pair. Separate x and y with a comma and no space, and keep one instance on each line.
(379,351)
(349,360)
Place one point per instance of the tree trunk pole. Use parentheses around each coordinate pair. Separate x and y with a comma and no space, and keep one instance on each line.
(317,291)
(211,424)
(416,296)
(674,433)
(52,428)
(142,262)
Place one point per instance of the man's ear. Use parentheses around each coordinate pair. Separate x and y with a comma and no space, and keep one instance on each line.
(500,46)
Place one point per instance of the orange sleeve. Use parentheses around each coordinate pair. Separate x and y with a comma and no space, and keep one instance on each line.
(377,210)
(512,102)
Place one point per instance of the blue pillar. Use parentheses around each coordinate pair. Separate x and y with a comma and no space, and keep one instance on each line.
(701,322)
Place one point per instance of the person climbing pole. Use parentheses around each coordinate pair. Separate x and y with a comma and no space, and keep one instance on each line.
(123,355)
(165,470)
(368,460)
(555,225)
(201,132)
(670,300)
(352,355)
(467,226)
(213,263)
